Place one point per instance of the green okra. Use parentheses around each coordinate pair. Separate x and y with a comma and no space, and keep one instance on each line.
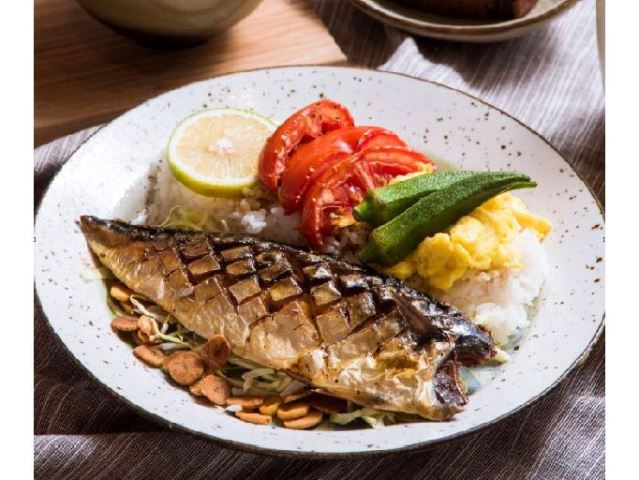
(381,205)
(391,242)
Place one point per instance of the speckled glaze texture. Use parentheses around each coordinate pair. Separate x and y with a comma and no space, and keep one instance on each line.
(462,30)
(108,177)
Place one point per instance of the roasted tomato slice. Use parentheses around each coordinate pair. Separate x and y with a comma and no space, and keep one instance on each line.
(303,126)
(312,159)
(379,137)
(330,200)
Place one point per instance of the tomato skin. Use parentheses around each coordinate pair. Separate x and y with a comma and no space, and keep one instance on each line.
(303,126)
(379,138)
(312,159)
(333,195)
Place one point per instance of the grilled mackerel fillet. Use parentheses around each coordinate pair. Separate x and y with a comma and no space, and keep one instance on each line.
(332,324)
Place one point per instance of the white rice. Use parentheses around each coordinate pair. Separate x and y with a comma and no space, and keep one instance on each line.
(257,213)
(501,300)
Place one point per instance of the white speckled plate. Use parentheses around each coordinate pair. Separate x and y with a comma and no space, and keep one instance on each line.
(461,30)
(107,177)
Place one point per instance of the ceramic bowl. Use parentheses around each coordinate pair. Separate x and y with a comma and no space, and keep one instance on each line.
(167,22)
(425,24)
(109,176)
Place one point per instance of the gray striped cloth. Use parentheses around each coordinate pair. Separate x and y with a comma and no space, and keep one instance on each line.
(550,80)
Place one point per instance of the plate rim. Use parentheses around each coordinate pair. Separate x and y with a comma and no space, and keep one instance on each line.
(250,448)
(423,27)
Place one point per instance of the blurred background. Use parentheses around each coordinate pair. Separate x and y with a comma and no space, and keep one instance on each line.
(95,59)
(87,73)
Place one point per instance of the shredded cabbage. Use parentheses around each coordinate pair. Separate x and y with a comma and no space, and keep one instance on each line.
(248,378)
(242,363)
(373,417)
(173,334)
(182,217)
(171,346)
(291,387)
(136,301)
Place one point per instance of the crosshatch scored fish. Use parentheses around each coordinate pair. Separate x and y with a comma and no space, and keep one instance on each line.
(337,326)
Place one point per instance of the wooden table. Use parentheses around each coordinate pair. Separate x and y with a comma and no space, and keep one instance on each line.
(85,74)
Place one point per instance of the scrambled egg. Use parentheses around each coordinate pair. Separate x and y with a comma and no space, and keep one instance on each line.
(483,240)
(424,168)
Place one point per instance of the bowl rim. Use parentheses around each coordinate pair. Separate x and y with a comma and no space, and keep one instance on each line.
(250,448)
(425,27)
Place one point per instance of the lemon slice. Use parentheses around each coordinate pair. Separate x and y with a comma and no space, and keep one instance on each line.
(215,152)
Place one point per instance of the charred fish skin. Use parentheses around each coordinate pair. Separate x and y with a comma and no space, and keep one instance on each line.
(337,326)
(473,346)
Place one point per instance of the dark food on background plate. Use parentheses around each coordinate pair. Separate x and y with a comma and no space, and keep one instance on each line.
(474,9)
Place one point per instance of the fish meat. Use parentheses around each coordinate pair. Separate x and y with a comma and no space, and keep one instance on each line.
(339,327)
